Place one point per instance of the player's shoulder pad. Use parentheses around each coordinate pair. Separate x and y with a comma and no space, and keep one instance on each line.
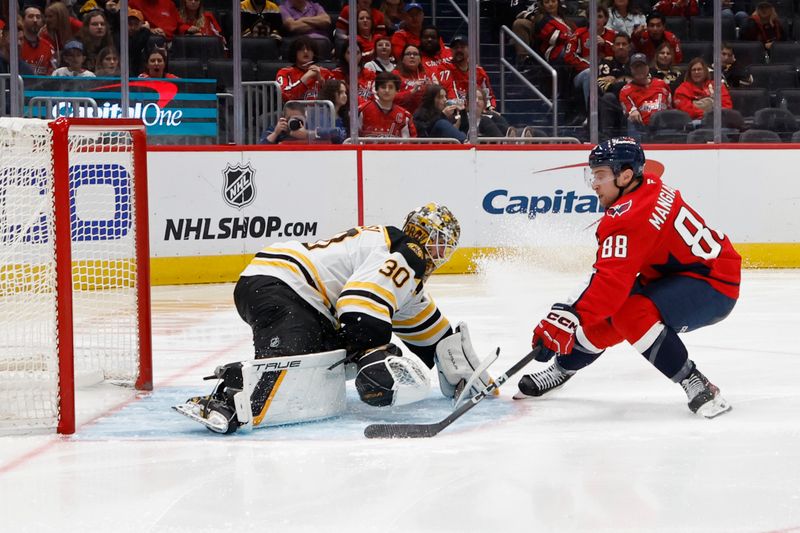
(411,251)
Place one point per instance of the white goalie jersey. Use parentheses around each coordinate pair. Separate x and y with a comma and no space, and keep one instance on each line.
(373,270)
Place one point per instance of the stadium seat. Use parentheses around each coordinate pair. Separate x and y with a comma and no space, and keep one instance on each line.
(268,70)
(796,137)
(197,47)
(731,119)
(759,136)
(679,26)
(706,135)
(222,71)
(790,99)
(186,68)
(258,48)
(702,29)
(774,77)
(692,49)
(669,120)
(776,119)
(748,101)
(785,52)
(749,53)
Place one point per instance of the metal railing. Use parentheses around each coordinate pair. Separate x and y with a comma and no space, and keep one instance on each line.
(225,121)
(403,140)
(551,103)
(5,94)
(319,113)
(528,140)
(49,107)
(263,103)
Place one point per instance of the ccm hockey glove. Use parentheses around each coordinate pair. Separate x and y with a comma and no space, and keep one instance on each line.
(556,332)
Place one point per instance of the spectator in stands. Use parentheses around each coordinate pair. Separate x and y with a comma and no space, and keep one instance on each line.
(335,91)
(5,57)
(413,78)
(410,31)
(625,17)
(109,8)
(303,79)
(366,34)
(734,75)
(612,76)
(381,116)
(291,127)
(437,118)
(648,40)
(663,67)
(306,18)
(59,26)
(107,62)
(549,33)
(36,51)
(383,60)
(94,36)
(157,65)
(138,36)
(730,8)
(642,96)
(261,18)
(677,8)
(580,46)
(490,122)
(433,51)
(454,76)
(72,59)
(161,15)
(763,25)
(394,14)
(695,95)
(366,77)
(343,22)
(199,21)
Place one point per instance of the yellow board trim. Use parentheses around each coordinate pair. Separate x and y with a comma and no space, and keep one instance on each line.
(226,268)
(257,420)
(374,287)
(352,300)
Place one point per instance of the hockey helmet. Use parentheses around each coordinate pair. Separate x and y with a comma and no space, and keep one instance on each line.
(435,228)
(618,154)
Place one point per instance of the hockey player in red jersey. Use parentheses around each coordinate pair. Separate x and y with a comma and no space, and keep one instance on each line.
(659,271)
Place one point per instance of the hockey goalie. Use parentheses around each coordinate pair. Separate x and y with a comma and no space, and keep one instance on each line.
(324,312)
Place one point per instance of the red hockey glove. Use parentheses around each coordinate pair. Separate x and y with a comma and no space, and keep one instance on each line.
(556,332)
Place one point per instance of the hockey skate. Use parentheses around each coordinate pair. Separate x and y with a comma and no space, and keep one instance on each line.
(551,378)
(212,413)
(704,397)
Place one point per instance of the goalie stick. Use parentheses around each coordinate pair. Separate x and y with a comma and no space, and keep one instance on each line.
(414,431)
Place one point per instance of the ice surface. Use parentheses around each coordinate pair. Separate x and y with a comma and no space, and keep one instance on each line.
(615,450)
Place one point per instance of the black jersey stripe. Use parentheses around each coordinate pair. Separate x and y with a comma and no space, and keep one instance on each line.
(433,319)
(306,274)
(369,295)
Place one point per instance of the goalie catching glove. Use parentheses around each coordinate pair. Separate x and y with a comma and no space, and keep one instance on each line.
(556,332)
(456,362)
(387,378)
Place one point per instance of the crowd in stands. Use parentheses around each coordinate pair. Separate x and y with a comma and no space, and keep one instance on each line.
(412,81)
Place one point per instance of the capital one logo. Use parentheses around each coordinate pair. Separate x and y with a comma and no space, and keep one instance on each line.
(238,185)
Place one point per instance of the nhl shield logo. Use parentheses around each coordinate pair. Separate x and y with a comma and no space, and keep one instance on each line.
(238,187)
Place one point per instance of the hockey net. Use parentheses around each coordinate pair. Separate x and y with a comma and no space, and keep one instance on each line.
(74,276)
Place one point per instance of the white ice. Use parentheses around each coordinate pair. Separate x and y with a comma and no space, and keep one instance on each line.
(615,450)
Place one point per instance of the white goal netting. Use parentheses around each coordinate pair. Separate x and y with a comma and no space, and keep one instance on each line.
(102,223)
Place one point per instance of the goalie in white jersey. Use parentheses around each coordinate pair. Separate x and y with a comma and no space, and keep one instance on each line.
(341,299)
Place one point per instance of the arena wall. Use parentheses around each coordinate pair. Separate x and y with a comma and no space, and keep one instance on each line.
(211,208)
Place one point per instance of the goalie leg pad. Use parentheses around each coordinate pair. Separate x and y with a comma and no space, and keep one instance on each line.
(385,377)
(456,360)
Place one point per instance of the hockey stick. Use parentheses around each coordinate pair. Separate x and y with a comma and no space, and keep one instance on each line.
(414,431)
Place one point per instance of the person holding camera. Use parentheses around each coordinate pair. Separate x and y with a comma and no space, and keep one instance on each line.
(291,127)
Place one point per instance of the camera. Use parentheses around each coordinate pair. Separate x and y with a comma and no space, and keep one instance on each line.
(295,123)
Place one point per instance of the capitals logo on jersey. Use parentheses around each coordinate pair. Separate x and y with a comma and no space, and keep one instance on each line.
(619,210)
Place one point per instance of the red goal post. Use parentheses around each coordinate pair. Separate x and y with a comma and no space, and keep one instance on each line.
(74,265)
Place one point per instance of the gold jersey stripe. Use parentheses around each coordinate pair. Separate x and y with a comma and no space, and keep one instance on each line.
(311,268)
(257,420)
(373,287)
(278,263)
(418,318)
(352,300)
(426,335)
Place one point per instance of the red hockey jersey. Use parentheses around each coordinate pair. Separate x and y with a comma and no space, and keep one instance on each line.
(377,122)
(677,8)
(687,92)
(653,233)
(644,44)
(294,89)
(647,99)
(456,82)
(366,82)
(579,45)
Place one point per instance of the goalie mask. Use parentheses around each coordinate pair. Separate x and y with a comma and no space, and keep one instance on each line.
(437,230)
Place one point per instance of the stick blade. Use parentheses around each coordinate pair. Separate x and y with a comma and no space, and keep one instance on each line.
(401,431)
